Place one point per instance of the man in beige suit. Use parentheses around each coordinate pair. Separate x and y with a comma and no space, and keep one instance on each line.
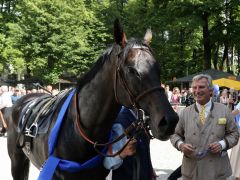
(205,131)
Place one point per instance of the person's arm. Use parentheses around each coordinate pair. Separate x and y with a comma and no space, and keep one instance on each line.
(115,162)
(231,132)
(2,104)
(177,139)
(236,111)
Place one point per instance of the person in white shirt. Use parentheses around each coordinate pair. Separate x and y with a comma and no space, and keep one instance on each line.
(168,93)
(5,98)
(5,101)
(235,153)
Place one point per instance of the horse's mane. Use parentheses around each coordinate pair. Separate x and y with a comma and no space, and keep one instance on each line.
(88,76)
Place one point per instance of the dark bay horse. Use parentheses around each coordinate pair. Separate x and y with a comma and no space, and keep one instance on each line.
(125,74)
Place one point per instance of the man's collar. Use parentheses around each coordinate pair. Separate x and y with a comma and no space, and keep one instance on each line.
(209,105)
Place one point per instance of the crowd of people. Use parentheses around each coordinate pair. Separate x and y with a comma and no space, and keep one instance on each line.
(184,97)
(177,97)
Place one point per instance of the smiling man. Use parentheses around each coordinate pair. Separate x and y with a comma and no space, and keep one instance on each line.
(205,131)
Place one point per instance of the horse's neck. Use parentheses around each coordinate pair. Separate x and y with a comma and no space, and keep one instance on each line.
(98,107)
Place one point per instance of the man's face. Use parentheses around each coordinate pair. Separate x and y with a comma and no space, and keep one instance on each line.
(201,91)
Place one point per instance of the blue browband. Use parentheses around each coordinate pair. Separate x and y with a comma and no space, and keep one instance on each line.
(53,162)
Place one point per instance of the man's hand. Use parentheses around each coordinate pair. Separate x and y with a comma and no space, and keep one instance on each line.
(187,149)
(129,150)
(215,147)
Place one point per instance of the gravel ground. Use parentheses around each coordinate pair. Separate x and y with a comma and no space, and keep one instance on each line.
(165,159)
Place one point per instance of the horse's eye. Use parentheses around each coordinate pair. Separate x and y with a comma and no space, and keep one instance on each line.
(133,71)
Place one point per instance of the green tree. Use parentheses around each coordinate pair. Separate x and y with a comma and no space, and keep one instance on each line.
(56,37)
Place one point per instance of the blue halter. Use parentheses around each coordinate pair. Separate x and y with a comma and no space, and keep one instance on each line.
(53,162)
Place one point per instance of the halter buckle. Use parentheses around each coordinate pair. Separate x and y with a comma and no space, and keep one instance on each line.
(141,116)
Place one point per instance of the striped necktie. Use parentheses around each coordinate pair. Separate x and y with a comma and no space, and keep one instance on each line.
(202,114)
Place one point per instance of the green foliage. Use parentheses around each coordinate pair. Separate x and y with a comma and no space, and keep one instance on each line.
(50,38)
(55,37)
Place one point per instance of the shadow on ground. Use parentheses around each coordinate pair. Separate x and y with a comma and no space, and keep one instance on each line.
(163,173)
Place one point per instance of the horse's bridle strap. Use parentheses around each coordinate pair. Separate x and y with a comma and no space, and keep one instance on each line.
(125,85)
(137,99)
(134,100)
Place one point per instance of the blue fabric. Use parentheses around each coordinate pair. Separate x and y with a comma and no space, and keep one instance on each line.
(74,167)
(237,120)
(70,166)
(53,162)
(49,168)
(55,130)
(237,117)
(115,162)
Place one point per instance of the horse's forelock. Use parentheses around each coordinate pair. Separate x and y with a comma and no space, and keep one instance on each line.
(135,44)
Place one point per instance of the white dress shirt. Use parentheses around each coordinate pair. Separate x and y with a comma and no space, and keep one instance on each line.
(5,100)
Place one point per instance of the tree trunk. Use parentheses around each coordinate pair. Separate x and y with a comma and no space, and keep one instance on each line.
(206,42)
(225,57)
(232,59)
(215,57)
(238,60)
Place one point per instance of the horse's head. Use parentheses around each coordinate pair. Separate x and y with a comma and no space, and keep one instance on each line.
(137,83)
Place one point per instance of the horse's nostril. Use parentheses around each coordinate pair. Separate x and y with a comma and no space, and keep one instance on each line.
(165,124)
(162,123)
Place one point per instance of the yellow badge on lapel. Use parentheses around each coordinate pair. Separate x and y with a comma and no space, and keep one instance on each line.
(222,121)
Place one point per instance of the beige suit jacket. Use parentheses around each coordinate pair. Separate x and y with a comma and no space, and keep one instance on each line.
(219,125)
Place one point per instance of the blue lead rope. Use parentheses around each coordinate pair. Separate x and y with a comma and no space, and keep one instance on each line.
(53,162)
(52,141)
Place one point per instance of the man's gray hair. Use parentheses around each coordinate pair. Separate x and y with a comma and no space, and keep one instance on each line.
(206,76)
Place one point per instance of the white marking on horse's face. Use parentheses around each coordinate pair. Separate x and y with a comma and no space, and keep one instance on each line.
(140,59)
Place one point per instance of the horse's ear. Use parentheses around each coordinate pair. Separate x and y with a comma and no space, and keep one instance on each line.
(148,36)
(119,35)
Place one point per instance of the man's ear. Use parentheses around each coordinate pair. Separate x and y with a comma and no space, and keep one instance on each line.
(211,92)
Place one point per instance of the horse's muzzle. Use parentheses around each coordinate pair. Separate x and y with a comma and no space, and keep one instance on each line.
(166,127)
